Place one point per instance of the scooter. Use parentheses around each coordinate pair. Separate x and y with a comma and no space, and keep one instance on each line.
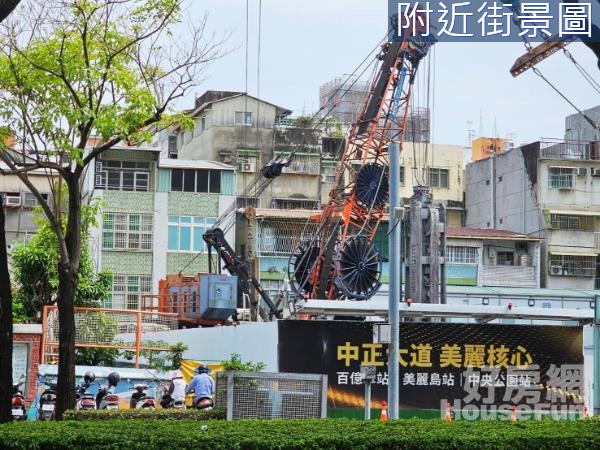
(205,403)
(166,401)
(140,399)
(47,402)
(18,400)
(106,397)
(84,400)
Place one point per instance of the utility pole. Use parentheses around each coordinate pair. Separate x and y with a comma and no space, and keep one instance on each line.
(395,282)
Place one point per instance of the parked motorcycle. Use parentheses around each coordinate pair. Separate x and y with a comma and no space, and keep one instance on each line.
(47,401)
(166,401)
(83,399)
(106,397)
(18,400)
(140,398)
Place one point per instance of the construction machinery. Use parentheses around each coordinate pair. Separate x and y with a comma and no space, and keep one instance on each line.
(341,261)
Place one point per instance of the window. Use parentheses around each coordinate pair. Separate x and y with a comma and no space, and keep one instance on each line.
(505,258)
(123,175)
(246,202)
(402,181)
(29,200)
(572,265)
(243,118)
(127,232)
(438,178)
(462,255)
(561,178)
(128,290)
(572,223)
(185,233)
(200,181)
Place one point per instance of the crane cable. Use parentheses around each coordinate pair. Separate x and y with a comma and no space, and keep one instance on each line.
(582,71)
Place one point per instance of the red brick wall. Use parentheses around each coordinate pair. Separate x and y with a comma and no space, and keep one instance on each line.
(34,355)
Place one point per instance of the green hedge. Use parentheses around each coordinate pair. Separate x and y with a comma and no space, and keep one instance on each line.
(309,434)
(172,414)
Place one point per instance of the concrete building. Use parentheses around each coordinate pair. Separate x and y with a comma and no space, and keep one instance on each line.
(547,189)
(155,213)
(19,203)
(492,258)
(577,129)
(439,166)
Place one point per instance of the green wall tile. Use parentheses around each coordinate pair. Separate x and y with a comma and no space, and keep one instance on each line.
(128,262)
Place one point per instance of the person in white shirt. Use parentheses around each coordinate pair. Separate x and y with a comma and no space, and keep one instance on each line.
(176,392)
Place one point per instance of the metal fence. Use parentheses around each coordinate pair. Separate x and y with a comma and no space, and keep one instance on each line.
(99,328)
(263,395)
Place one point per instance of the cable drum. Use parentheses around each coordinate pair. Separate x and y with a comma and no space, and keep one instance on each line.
(357,268)
(372,185)
(301,265)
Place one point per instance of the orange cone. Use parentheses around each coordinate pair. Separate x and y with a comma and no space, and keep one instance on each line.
(513,414)
(383,417)
(448,415)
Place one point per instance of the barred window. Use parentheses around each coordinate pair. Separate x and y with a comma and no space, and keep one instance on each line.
(200,181)
(462,255)
(123,175)
(561,178)
(572,265)
(128,290)
(572,222)
(127,232)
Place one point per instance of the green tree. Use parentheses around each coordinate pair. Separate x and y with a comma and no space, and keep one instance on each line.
(234,363)
(78,77)
(35,271)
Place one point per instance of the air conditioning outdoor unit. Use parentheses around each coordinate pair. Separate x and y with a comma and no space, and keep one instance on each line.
(248,167)
(595,172)
(582,171)
(555,270)
(12,201)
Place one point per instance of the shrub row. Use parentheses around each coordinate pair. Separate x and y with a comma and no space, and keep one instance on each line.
(309,434)
(169,414)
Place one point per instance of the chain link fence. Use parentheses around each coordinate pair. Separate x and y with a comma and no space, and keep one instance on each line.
(262,395)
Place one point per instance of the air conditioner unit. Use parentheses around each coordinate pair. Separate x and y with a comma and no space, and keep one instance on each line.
(596,171)
(582,171)
(556,270)
(12,201)
(247,167)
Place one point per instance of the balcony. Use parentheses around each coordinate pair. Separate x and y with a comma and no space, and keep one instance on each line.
(569,150)
(509,276)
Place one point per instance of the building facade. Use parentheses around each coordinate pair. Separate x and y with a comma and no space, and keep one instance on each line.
(155,212)
(548,189)
(577,129)
(19,205)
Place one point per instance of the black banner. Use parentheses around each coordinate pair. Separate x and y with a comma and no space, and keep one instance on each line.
(440,361)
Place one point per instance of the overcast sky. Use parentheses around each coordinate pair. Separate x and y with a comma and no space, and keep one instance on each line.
(306,43)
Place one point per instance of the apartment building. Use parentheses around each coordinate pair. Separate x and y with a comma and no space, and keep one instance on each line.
(548,189)
(155,212)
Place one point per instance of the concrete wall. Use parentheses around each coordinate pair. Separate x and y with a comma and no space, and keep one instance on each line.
(449,157)
(515,208)
(255,342)
(221,132)
(578,129)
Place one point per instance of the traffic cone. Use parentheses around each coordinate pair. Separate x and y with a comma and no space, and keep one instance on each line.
(383,417)
(448,415)
(513,414)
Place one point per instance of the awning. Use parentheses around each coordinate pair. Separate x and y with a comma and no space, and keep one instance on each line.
(573,254)
(572,212)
